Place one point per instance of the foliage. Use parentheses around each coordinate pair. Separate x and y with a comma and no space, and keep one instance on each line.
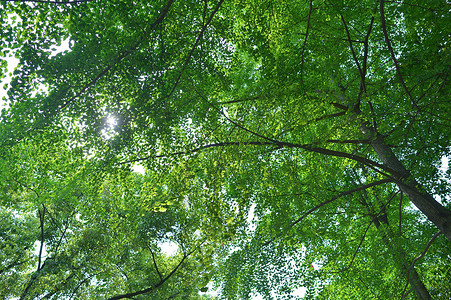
(286,145)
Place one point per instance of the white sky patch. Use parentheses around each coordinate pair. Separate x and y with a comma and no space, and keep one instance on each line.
(299,292)
(61,48)
(211,291)
(444,167)
(169,248)
(108,132)
(445,164)
(139,169)
(250,216)
(250,219)
(12,65)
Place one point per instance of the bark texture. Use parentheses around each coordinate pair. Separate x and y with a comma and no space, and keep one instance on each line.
(399,255)
(434,211)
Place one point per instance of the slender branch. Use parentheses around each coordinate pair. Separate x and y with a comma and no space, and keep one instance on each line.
(362,88)
(392,52)
(187,152)
(152,288)
(41,219)
(349,192)
(356,142)
(199,37)
(81,283)
(25,186)
(307,147)
(406,293)
(424,251)
(331,116)
(122,55)
(366,46)
(239,100)
(310,148)
(354,56)
(305,41)
(57,289)
(155,263)
(368,288)
(13,265)
(400,214)
(356,250)
(30,283)
(339,105)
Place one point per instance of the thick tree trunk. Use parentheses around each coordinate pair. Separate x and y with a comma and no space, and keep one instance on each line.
(415,282)
(433,210)
(399,255)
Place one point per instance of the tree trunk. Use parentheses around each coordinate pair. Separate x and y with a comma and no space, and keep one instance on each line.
(399,255)
(433,210)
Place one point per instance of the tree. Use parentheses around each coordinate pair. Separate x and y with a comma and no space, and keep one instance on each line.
(325,121)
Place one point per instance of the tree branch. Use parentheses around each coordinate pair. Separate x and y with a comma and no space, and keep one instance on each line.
(13,265)
(155,264)
(199,37)
(309,147)
(349,192)
(305,41)
(41,219)
(400,214)
(122,55)
(279,144)
(152,288)
(356,250)
(354,56)
(424,251)
(392,52)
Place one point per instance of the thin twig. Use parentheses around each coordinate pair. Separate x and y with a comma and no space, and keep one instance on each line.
(305,41)
(41,219)
(424,251)
(121,57)
(392,52)
(199,37)
(349,192)
(155,263)
(356,250)
(400,214)
(157,285)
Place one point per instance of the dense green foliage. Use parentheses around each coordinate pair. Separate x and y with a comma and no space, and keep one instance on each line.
(287,146)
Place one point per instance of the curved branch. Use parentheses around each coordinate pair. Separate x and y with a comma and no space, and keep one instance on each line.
(280,145)
(349,192)
(392,52)
(41,219)
(305,40)
(199,37)
(354,56)
(424,251)
(356,250)
(155,263)
(157,285)
(309,147)
(122,55)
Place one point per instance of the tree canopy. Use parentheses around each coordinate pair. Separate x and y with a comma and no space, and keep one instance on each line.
(286,146)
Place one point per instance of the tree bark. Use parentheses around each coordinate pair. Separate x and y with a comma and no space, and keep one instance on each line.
(398,254)
(434,211)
